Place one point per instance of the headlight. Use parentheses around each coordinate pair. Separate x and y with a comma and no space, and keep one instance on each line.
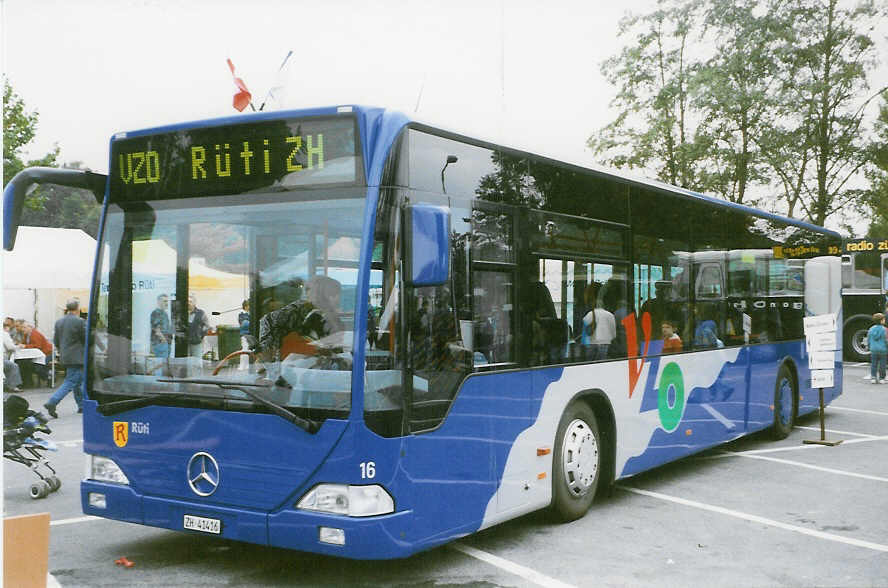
(103,469)
(353,501)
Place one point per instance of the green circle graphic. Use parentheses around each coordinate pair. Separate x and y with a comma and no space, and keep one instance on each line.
(670,416)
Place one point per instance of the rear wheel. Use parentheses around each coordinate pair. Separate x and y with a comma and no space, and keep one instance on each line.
(576,464)
(785,395)
(54,483)
(856,345)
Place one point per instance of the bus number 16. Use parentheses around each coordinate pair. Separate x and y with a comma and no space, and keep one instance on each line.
(368,469)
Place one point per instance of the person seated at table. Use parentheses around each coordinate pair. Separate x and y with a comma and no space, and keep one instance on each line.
(12,378)
(34,339)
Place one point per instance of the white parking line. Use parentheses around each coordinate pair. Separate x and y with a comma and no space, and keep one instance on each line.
(809,466)
(510,566)
(74,521)
(757,519)
(723,455)
(876,412)
(837,432)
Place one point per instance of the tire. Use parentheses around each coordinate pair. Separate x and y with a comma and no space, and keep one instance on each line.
(786,395)
(576,463)
(54,483)
(39,490)
(856,348)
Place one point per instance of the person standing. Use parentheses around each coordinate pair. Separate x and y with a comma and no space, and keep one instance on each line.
(599,326)
(878,348)
(161,328)
(69,338)
(243,319)
(198,326)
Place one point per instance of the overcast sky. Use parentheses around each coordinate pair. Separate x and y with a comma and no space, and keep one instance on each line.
(524,73)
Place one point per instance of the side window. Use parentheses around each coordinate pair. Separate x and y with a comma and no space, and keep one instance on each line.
(439,331)
(493,331)
(663,282)
(709,281)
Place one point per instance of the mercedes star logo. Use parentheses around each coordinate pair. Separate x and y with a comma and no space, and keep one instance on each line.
(202,474)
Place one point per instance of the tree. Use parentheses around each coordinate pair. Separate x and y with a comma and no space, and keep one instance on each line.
(653,74)
(735,91)
(818,148)
(19,128)
(48,205)
(877,197)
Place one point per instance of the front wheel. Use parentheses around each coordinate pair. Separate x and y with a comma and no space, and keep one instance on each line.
(576,467)
(785,395)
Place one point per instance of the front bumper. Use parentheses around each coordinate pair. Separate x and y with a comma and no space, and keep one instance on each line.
(378,537)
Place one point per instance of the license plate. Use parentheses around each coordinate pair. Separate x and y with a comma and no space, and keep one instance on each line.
(202,524)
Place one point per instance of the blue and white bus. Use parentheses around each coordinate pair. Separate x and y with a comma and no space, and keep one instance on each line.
(442,334)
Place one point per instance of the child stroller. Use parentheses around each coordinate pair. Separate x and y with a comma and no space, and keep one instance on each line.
(21,445)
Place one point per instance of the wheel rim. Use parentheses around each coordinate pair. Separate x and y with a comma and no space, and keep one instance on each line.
(859,342)
(784,401)
(579,457)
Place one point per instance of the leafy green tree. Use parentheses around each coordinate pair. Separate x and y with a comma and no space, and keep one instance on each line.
(653,74)
(818,148)
(877,197)
(734,92)
(19,128)
(48,205)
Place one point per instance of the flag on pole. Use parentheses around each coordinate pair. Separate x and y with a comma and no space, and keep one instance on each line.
(243,96)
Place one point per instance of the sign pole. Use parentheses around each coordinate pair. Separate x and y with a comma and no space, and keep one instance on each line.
(822,440)
(820,343)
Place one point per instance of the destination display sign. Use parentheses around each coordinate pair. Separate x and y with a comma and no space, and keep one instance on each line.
(236,158)
(860,245)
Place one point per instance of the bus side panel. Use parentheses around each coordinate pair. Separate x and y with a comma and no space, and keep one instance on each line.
(690,401)
(460,462)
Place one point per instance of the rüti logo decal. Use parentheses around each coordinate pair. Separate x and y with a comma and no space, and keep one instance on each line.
(121,433)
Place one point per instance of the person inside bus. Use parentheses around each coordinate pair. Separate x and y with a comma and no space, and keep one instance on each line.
(706,330)
(297,326)
(198,327)
(616,299)
(599,326)
(671,341)
(325,293)
(658,306)
(550,334)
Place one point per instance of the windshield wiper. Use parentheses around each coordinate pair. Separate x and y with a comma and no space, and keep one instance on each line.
(307,425)
(118,406)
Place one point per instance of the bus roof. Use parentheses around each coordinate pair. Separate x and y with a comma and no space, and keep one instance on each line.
(372,119)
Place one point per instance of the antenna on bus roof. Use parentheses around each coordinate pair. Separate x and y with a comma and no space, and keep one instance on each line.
(419,96)
(278,82)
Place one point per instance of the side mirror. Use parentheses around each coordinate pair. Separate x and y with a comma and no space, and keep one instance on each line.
(428,245)
(27,179)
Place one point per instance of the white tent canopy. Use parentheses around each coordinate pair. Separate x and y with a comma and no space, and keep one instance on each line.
(49,258)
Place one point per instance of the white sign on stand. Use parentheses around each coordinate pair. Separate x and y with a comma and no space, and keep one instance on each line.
(822,323)
(822,379)
(820,342)
(821,360)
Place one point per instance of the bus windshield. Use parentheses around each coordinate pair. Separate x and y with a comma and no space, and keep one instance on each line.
(266,280)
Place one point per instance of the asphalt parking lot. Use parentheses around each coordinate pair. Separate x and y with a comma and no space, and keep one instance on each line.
(752,513)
